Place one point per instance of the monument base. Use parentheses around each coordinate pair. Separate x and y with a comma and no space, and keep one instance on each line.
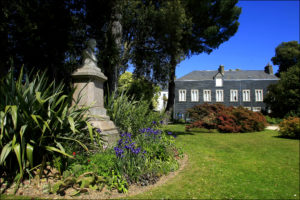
(108,130)
(88,81)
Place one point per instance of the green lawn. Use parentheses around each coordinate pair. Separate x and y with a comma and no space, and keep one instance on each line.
(241,166)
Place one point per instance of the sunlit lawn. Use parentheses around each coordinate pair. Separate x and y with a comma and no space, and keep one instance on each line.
(241,166)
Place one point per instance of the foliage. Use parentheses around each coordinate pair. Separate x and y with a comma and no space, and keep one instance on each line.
(38,123)
(225,119)
(287,54)
(181,29)
(138,88)
(283,98)
(290,127)
(273,120)
(146,157)
(52,32)
(128,114)
(131,159)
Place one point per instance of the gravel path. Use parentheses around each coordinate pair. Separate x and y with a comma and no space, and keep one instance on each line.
(273,127)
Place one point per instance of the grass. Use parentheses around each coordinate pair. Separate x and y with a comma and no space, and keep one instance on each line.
(241,166)
(257,165)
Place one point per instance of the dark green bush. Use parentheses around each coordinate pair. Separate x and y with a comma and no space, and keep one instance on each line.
(273,120)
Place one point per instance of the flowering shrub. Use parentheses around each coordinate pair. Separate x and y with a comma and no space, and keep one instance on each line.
(131,159)
(290,127)
(141,157)
(225,119)
(249,121)
(155,143)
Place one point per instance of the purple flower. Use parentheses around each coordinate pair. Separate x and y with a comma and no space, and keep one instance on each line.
(170,133)
(161,122)
(119,152)
(98,130)
(154,122)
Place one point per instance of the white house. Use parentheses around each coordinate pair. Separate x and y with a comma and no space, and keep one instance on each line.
(162,100)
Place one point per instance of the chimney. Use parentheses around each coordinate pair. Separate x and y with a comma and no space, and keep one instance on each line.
(221,69)
(269,69)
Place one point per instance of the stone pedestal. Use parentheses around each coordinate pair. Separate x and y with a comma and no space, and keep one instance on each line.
(88,81)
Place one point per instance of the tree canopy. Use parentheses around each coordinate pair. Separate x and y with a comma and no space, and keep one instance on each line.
(153,35)
(287,54)
(138,88)
(283,98)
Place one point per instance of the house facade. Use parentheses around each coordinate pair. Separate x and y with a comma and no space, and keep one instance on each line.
(245,88)
(162,100)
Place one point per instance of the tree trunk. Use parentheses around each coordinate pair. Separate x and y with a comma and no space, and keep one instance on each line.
(171,98)
(116,31)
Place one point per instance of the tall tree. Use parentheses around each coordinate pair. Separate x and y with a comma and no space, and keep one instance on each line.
(200,27)
(287,54)
(283,98)
(37,34)
(176,29)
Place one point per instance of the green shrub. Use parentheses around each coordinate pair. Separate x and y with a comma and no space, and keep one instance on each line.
(38,123)
(273,120)
(102,163)
(130,115)
(290,127)
(140,159)
(225,119)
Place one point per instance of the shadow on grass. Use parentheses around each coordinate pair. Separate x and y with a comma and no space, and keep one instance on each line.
(177,133)
(285,137)
(183,133)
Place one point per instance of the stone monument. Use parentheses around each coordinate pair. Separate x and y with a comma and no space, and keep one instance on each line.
(88,81)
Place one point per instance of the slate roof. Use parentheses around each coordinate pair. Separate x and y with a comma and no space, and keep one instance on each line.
(228,75)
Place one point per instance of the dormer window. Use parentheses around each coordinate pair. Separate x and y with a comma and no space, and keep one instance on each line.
(219,82)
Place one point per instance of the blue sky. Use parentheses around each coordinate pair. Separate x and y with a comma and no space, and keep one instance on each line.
(263,26)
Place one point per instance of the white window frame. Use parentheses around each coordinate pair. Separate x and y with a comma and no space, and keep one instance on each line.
(244,96)
(205,97)
(219,95)
(232,92)
(182,95)
(259,95)
(219,82)
(194,95)
(256,109)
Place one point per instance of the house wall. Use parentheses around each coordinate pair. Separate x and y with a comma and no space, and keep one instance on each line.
(160,105)
(252,85)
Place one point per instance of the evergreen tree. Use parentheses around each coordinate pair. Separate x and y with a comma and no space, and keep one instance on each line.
(287,54)
(283,98)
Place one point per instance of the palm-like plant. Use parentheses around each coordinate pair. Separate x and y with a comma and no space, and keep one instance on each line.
(37,121)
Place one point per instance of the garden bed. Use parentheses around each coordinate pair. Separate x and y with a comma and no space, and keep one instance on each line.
(38,188)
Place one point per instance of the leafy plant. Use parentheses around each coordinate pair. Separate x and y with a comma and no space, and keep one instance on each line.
(273,120)
(130,115)
(290,127)
(130,157)
(225,119)
(116,181)
(38,122)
